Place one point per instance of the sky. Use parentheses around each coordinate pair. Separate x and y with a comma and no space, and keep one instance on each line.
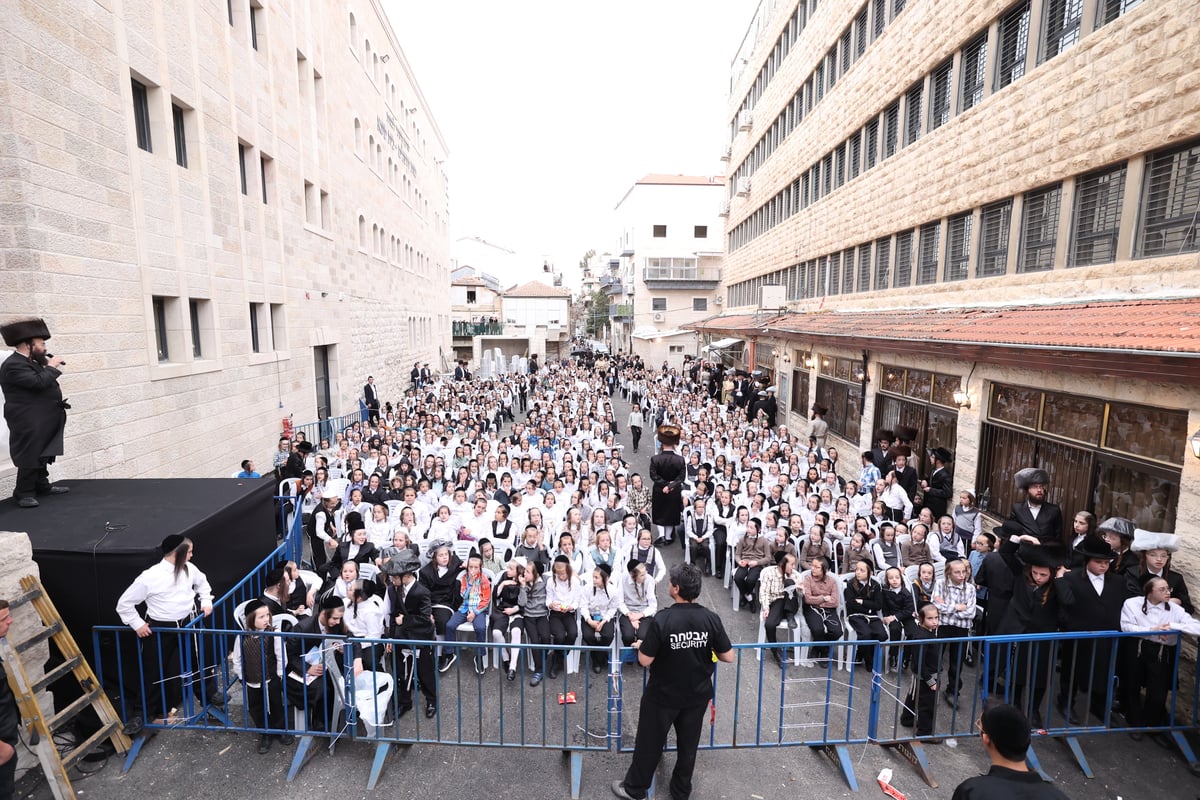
(552,110)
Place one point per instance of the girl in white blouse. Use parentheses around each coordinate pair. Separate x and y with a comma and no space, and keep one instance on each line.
(1150,662)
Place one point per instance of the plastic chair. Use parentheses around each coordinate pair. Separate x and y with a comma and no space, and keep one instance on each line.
(368,572)
(338,487)
(372,699)
(689,525)
(801,627)
(463,548)
(239,613)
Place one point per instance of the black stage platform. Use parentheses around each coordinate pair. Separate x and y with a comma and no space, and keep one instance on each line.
(91,544)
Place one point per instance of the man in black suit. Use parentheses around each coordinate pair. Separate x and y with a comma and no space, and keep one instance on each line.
(416,375)
(371,398)
(1090,599)
(940,487)
(906,476)
(1034,523)
(296,463)
(409,610)
(879,453)
(460,372)
(309,679)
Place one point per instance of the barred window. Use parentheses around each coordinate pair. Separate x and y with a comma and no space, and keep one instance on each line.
(927,268)
(808,94)
(814,267)
(1014,45)
(1098,199)
(848,271)
(891,130)
(819,80)
(1171,202)
(831,65)
(872,144)
(994,222)
(827,175)
(864,267)
(912,113)
(897,7)
(805,183)
(939,94)
(1039,229)
(958,248)
(839,169)
(883,255)
(904,259)
(878,17)
(835,275)
(860,34)
(854,155)
(974,66)
(1111,9)
(1061,27)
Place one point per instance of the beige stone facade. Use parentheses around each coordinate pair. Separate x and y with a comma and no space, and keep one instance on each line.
(197,305)
(1123,89)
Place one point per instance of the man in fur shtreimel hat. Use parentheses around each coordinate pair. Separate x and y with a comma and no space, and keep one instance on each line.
(34,408)
(668,471)
(1034,522)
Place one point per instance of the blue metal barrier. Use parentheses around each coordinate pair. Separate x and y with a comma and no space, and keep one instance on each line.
(326,428)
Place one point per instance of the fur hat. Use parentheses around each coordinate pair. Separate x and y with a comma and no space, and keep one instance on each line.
(1120,526)
(1144,541)
(1031,475)
(899,450)
(1093,546)
(669,434)
(905,433)
(23,330)
(883,434)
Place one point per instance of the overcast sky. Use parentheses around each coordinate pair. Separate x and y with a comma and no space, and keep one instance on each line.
(552,110)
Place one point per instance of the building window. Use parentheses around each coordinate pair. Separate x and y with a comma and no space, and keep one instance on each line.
(229,10)
(141,115)
(799,395)
(312,206)
(177,121)
(921,400)
(994,222)
(675,348)
(1039,229)
(700,232)
(940,84)
(841,399)
(256,310)
(883,262)
(958,247)
(912,113)
(871,133)
(927,268)
(255,21)
(472,297)
(326,209)
(974,68)
(891,130)
(1061,27)
(1171,202)
(904,259)
(1014,45)
(1111,9)
(1098,199)
(266,171)
(278,327)
(699,304)
(864,267)
(196,308)
(853,155)
(660,231)
(658,304)
(162,344)
(242,167)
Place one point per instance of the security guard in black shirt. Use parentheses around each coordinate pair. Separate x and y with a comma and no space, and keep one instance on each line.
(1004,731)
(680,647)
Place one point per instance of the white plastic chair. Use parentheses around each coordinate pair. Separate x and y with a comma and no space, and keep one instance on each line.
(372,698)
(801,629)
(689,525)
(368,572)
(337,487)
(463,548)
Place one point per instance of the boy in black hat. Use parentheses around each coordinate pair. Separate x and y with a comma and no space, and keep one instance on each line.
(409,615)
(34,408)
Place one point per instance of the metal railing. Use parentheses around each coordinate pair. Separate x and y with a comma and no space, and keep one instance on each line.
(464,329)
(712,274)
(326,428)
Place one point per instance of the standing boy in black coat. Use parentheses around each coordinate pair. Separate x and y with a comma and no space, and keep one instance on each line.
(925,657)
(410,616)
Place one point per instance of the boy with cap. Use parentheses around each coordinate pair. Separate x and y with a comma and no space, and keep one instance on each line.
(409,614)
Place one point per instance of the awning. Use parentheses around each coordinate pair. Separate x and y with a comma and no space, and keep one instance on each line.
(722,344)
(648,334)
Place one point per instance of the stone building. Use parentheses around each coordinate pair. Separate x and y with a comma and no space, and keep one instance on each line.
(979,220)
(228,212)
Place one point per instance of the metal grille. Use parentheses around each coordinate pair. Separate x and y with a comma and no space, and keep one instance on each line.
(904,259)
(897,7)
(958,247)
(854,153)
(1098,200)
(141,115)
(879,16)
(819,80)
(1039,229)
(860,34)
(816,181)
(835,276)
(1004,451)
(994,222)
(891,130)
(813,268)
(805,182)
(864,267)
(844,49)
(974,68)
(1171,203)
(883,255)
(808,94)
(1061,27)
(831,65)
(1111,9)
(827,174)
(872,143)
(1014,45)
(912,113)
(939,94)
(848,271)
(839,168)
(927,269)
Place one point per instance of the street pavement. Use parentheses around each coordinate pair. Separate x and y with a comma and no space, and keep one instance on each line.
(201,765)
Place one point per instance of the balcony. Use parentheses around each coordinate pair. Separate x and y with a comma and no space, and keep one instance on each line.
(466,330)
(621,312)
(681,277)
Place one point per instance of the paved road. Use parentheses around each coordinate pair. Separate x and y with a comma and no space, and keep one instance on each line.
(199,766)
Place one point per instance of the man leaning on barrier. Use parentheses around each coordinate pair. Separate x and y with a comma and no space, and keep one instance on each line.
(680,647)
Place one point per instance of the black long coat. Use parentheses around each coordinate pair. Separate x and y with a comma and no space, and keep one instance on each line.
(1081,609)
(34,411)
(1047,528)
(667,469)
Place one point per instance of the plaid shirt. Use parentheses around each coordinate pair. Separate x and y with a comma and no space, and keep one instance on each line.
(952,596)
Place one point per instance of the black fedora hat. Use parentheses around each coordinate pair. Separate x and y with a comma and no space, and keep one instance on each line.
(1093,546)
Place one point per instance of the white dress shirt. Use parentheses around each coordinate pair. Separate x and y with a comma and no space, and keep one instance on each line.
(168,598)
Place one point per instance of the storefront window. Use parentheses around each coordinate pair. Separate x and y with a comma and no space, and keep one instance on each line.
(1073,417)
(918,385)
(1152,433)
(1016,405)
(799,404)
(842,400)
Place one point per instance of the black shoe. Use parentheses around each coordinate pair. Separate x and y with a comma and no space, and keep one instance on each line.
(553,669)
(57,490)
(447,661)
(402,710)
(286,739)
(597,667)
(1035,720)
(430,710)
(778,656)
(618,788)
(1163,740)
(536,679)
(1137,736)
(512,675)
(951,700)
(480,666)
(28,502)
(660,541)
(264,744)
(969,661)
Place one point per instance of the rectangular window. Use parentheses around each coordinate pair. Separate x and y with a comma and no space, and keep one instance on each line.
(897,7)
(841,399)
(827,175)
(848,271)
(994,222)
(255,343)
(141,115)
(883,255)
(844,51)
(278,327)
(472,297)
(834,278)
(939,94)
(854,155)
(159,305)
(871,134)
(326,210)
(904,259)
(242,167)
(974,68)
(658,304)
(194,318)
(1098,199)
(839,167)
(1014,45)
(860,33)
(229,10)
(958,248)
(891,130)
(1171,202)
(177,121)
(912,113)
(819,81)
(1039,229)
(878,17)
(660,231)
(675,348)
(1061,29)
(255,20)
(1111,9)
(700,232)
(265,173)
(928,243)
(699,304)
(312,207)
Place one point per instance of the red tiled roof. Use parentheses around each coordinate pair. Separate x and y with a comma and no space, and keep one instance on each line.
(537,289)
(1169,327)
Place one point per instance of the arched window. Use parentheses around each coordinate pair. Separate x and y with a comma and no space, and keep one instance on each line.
(353,32)
(362,231)
(358,139)
(375,69)
(366,53)
(375,238)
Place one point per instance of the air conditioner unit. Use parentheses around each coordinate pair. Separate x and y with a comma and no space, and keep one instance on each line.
(724,212)
(772,296)
(728,154)
(743,187)
(719,300)
(745,120)
(659,316)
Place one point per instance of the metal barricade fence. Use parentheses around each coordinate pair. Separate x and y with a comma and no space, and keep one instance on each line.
(326,428)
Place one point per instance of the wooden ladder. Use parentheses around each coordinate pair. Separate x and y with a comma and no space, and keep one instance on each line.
(43,728)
